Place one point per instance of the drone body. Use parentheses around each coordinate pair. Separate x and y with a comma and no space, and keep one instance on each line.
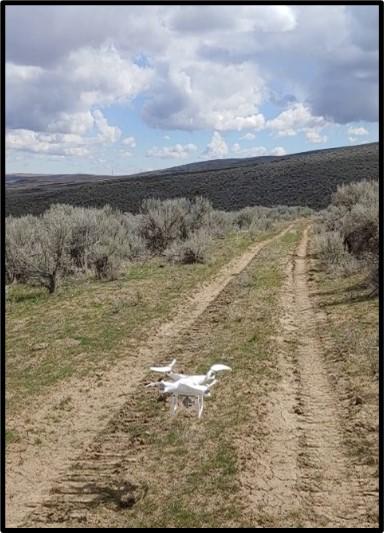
(194,386)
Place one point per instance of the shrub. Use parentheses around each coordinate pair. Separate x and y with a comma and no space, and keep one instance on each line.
(106,266)
(18,235)
(192,250)
(351,222)
(329,247)
(42,254)
(220,223)
(361,192)
(361,229)
(162,222)
(83,237)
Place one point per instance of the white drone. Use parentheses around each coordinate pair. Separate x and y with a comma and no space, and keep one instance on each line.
(186,386)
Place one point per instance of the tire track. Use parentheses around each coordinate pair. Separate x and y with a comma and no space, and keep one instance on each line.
(301,475)
(31,477)
(327,473)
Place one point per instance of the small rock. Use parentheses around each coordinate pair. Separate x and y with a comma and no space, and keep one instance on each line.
(358,400)
(126,501)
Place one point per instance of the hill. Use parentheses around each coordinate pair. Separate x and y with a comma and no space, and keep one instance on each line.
(306,179)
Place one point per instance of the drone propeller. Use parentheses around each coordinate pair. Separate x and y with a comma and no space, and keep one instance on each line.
(219,367)
(164,369)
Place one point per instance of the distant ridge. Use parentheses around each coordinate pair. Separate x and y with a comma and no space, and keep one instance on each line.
(306,178)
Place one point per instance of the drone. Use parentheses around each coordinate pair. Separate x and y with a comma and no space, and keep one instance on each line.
(189,388)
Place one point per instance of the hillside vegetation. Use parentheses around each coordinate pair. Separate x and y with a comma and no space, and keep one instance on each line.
(69,241)
(305,179)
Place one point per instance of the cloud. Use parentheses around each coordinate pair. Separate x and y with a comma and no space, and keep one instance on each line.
(295,119)
(130,142)
(72,143)
(217,147)
(346,86)
(49,144)
(278,150)
(191,67)
(357,131)
(107,133)
(248,137)
(314,136)
(348,92)
(207,19)
(98,77)
(79,123)
(172,152)
(191,95)
(56,31)
(257,151)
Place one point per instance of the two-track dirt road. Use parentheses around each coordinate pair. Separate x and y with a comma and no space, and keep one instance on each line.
(300,474)
(32,473)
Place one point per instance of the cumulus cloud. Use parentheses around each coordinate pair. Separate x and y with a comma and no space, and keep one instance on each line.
(278,150)
(79,123)
(130,142)
(43,143)
(192,95)
(72,143)
(294,120)
(314,136)
(107,133)
(257,151)
(190,68)
(178,151)
(85,79)
(217,147)
(357,131)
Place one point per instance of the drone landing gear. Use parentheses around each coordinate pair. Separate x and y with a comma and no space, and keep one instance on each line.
(187,401)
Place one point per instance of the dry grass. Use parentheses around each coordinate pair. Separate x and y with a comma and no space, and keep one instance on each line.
(351,334)
(188,469)
(88,324)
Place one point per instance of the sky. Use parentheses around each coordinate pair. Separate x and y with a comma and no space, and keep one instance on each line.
(124,89)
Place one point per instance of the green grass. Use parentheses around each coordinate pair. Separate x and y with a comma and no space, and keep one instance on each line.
(191,467)
(88,324)
(11,436)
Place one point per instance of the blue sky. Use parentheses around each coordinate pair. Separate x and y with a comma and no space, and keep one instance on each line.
(123,89)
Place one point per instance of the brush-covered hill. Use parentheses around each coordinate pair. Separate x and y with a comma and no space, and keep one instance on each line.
(306,179)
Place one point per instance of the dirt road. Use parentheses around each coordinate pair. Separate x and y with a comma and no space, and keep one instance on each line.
(302,473)
(296,471)
(32,471)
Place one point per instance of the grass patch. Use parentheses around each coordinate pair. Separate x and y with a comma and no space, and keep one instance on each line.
(191,467)
(351,326)
(11,436)
(88,325)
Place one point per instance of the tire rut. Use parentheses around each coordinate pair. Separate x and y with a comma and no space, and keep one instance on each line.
(300,475)
(80,468)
